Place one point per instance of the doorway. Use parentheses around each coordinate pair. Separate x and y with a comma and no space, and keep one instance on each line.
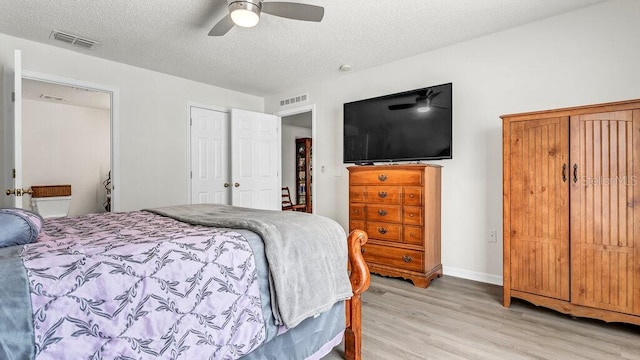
(12,131)
(297,124)
(66,140)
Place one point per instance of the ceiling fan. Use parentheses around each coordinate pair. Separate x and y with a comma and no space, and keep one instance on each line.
(246,13)
(423,102)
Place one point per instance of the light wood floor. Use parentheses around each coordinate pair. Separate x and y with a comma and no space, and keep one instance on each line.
(462,319)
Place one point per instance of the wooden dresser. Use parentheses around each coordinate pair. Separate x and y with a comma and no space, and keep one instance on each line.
(572,210)
(399,208)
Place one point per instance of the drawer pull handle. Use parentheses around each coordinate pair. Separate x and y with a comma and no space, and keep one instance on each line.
(382,230)
(363,250)
(407,258)
(382,194)
(382,177)
(382,212)
(410,215)
(356,211)
(411,196)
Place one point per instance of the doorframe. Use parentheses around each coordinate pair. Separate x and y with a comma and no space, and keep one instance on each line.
(114,121)
(299,110)
(191,104)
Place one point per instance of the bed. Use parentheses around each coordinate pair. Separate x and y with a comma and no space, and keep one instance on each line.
(181,282)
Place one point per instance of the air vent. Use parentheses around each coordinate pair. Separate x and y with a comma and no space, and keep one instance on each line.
(294,100)
(51,97)
(73,39)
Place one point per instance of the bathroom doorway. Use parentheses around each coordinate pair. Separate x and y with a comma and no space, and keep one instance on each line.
(67,140)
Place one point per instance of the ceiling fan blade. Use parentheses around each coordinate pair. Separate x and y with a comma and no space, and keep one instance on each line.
(222,27)
(294,11)
(433,95)
(401,106)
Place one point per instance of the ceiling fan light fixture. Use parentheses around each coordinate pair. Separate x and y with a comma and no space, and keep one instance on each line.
(423,109)
(245,13)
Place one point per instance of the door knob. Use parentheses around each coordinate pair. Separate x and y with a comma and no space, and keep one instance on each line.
(236,184)
(18,192)
(226,185)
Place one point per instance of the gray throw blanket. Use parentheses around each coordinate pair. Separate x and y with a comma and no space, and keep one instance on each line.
(307,254)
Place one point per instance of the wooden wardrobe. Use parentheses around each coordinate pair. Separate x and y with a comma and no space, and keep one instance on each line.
(572,210)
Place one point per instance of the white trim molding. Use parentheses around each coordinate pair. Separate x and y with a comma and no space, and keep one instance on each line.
(472,275)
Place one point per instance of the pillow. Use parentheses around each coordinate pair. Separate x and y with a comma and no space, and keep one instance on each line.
(18,227)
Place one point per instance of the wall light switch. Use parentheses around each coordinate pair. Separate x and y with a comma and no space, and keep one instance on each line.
(493,236)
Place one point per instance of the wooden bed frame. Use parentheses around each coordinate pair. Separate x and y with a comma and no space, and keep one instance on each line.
(360,279)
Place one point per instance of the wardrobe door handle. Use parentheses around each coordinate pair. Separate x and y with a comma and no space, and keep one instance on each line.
(564,172)
(575,173)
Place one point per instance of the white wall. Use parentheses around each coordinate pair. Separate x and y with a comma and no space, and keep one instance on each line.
(583,57)
(66,144)
(289,136)
(152,132)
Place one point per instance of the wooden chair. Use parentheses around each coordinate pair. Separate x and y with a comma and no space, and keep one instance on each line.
(287,204)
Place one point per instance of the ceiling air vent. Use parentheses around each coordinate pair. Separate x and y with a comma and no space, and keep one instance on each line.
(73,39)
(51,97)
(294,100)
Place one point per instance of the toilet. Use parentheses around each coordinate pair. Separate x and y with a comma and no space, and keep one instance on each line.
(51,207)
(51,201)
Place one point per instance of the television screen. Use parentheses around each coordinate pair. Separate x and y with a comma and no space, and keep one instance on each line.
(408,126)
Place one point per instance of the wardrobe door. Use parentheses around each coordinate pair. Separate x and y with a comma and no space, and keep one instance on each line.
(605,240)
(539,206)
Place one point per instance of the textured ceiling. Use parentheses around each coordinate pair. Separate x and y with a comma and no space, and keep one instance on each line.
(277,55)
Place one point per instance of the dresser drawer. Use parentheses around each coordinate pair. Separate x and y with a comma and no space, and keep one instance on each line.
(357,224)
(396,257)
(412,196)
(386,177)
(412,235)
(383,194)
(356,211)
(412,215)
(356,193)
(384,231)
(384,213)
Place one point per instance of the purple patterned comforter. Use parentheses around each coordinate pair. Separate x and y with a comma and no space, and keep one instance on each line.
(142,286)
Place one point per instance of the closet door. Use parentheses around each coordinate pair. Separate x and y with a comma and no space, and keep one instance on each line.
(605,240)
(539,207)
(255,160)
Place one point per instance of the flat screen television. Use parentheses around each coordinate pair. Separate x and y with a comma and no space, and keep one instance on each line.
(408,126)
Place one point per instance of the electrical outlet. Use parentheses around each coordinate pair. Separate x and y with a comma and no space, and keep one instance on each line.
(493,236)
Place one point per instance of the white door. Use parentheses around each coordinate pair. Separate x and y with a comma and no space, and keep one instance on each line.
(13,137)
(255,160)
(209,156)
